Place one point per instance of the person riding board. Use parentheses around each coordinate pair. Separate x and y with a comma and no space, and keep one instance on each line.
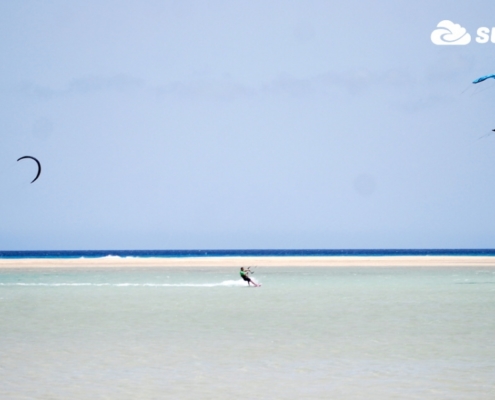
(244,275)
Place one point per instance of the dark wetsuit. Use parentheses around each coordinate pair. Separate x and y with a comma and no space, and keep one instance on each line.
(245,276)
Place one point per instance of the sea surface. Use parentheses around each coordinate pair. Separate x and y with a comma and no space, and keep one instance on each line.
(201,333)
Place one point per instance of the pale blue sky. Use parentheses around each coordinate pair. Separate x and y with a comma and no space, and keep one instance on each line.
(245,124)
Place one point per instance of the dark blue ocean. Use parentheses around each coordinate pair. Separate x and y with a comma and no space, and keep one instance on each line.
(251,252)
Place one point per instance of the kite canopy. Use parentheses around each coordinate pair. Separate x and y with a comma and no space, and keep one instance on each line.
(484,78)
(37,162)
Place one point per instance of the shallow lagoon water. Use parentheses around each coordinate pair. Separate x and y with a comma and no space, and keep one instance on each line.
(316,333)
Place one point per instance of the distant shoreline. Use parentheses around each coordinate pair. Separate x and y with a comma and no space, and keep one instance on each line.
(150,253)
(245,261)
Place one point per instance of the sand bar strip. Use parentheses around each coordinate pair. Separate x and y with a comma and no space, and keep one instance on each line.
(213,262)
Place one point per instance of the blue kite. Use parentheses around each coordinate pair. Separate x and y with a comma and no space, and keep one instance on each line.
(484,78)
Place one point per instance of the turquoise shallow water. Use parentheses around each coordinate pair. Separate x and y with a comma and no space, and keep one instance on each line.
(340,333)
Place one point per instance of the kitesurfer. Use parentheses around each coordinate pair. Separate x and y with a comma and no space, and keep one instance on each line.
(245,275)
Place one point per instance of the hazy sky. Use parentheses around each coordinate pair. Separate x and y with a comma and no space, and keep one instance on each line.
(245,124)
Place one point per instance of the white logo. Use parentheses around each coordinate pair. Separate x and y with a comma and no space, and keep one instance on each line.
(448,33)
(484,35)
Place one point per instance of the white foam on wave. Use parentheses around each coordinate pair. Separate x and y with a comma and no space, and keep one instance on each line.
(110,257)
(230,283)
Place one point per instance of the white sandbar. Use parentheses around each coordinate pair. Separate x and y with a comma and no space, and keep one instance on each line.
(290,261)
